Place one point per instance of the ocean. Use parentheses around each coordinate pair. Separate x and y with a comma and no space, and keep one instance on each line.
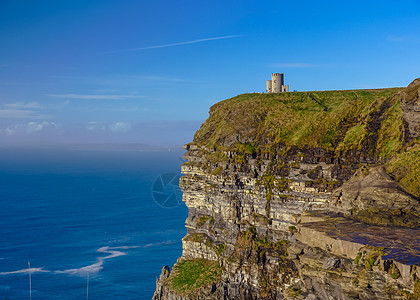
(92,224)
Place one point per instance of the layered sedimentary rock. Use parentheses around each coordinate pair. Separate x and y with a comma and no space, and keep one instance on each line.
(301,196)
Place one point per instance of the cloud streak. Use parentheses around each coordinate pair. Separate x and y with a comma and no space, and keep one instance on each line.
(178,43)
(297,65)
(22,105)
(95,97)
(22,110)
(16,113)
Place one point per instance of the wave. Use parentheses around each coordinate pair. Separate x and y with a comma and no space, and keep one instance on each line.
(158,244)
(26,271)
(95,267)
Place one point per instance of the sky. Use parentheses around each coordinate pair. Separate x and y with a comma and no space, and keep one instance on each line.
(147,72)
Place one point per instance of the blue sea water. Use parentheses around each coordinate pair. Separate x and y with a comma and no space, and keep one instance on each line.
(75,214)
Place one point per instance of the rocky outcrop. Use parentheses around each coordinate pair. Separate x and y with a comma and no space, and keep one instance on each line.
(374,197)
(410,104)
(270,218)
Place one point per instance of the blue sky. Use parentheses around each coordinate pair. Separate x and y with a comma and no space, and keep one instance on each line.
(147,71)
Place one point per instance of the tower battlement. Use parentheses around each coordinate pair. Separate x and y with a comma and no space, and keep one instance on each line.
(276,84)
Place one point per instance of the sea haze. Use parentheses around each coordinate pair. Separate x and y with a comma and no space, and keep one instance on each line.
(74,212)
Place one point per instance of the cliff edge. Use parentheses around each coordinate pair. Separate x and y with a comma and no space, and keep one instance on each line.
(304,195)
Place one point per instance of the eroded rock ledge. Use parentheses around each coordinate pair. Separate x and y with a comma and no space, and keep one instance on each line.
(274,214)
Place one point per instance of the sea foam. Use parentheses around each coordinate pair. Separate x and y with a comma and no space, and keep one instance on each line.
(92,268)
(26,271)
(97,266)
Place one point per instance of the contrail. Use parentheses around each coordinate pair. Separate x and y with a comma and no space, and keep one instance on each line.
(179,44)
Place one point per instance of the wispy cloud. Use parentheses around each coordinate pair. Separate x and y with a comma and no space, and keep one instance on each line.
(27,128)
(178,43)
(32,127)
(297,65)
(157,78)
(22,105)
(116,83)
(15,113)
(128,109)
(21,110)
(116,127)
(95,97)
(94,126)
(119,127)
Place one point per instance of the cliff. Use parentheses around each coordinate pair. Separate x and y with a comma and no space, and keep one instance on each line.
(309,195)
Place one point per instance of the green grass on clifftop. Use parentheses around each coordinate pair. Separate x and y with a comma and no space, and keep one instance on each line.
(334,120)
(189,275)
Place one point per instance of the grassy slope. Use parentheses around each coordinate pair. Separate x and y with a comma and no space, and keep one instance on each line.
(189,275)
(316,119)
(405,168)
(366,120)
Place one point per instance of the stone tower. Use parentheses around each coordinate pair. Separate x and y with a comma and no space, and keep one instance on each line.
(276,84)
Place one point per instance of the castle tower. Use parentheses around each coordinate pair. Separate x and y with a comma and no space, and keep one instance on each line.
(277,80)
(276,84)
(269,86)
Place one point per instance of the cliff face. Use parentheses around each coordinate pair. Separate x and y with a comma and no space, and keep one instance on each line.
(302,196)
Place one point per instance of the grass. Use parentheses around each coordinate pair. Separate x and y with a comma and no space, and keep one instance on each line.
(194,237)
(217,171)
(245,148)
(405,169)
(392,130)
(220,249)
(394,272)
(354,136)
(202,220)
(321,119)
(369,258)
(188,276)
(294,292)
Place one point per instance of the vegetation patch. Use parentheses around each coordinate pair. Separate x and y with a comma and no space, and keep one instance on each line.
(292,229)
(188,276)
(353,138)
(247,148)
(220,248)
(394,272)
(217,171)
(202,220)
(281,243)
(404,168)
(390,135)
(294,292)
(216,157)
(356,260)
(369,256)
(211,221)
(195,237)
